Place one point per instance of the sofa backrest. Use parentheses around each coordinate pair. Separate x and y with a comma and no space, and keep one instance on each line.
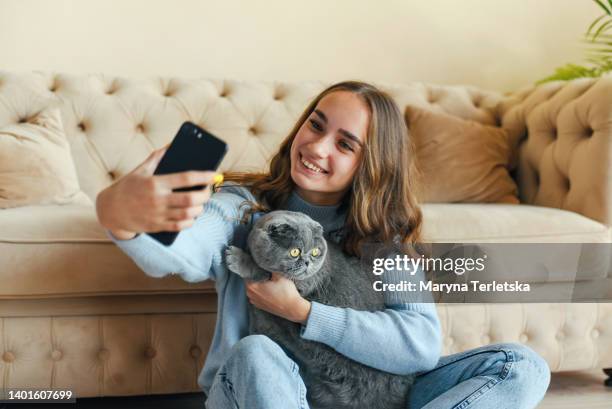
(114,123)
(560,131)
(562,137)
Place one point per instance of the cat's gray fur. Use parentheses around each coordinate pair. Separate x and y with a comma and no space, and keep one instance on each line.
(333,381)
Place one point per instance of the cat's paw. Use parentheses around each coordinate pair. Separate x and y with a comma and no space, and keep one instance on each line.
(233,258)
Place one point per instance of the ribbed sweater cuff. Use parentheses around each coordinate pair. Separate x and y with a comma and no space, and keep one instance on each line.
(325,324)
(137,238)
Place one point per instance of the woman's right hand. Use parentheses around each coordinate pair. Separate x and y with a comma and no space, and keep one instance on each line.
(142,202)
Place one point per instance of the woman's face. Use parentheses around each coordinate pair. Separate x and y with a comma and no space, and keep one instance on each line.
(328,147)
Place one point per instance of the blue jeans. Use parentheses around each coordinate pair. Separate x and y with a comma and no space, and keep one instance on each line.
(259,375)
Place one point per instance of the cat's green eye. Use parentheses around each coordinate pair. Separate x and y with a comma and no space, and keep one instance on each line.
(294,252)
(315,252)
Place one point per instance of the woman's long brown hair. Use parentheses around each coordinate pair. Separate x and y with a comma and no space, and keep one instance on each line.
(381,204)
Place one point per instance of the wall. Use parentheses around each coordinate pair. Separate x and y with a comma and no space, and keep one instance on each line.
(499,45)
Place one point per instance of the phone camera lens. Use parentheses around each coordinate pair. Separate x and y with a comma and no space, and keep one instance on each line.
(199,135)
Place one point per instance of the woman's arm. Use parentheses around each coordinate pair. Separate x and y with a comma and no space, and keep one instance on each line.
(403,339)
(196,254)
(141,201)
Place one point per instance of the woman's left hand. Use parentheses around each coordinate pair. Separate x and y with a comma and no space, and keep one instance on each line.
(279,296)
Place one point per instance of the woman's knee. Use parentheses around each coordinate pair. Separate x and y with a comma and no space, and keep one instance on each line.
(255,345)
(531,373)
(256,352)
(520,352)
(256,372)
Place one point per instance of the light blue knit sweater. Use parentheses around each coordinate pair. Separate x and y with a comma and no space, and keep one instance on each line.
(403,339)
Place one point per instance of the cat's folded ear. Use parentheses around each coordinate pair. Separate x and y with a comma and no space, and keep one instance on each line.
(281,230)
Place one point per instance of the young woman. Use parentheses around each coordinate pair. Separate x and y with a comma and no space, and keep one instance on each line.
(348,163)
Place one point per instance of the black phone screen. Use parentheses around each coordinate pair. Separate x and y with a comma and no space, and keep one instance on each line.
(192,148)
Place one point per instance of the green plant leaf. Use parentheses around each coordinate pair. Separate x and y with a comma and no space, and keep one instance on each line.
(603,6)
(570,72)
(601,64)
(598,43)
(606,50)
(594,23)
(602,39)
(604,27)
(598,53)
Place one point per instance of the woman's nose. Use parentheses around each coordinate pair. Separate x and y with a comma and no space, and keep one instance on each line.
(321,147)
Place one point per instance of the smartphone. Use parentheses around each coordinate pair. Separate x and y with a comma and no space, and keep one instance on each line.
(192,148)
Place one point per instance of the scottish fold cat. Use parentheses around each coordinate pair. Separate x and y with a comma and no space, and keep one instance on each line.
(292,244)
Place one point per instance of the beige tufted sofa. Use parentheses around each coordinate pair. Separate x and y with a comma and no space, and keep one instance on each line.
(76,313)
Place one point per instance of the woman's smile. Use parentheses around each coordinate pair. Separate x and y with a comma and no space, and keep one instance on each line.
(310,167)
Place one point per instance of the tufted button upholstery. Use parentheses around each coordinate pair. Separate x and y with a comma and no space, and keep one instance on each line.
(8,357)
(562,130)
(103,354)
(56,355)
(555,331)
(54,85)
(112,89)
(195,351)
(150,352)
(278,94)
(432,97)
(133,349)
(228,107)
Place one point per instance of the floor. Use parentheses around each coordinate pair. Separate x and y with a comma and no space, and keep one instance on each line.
(571,390)
(578,390)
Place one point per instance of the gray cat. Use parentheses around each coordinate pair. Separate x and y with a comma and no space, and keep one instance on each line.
(292,244)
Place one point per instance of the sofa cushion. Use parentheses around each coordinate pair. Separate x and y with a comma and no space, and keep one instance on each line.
(49,251)
(506,223)
(36,165)
(461,161)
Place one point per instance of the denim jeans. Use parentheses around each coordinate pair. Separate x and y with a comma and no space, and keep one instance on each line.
(258,374)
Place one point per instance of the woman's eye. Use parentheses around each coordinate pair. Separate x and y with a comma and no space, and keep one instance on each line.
(315,125)
(294,252)
(315,252)
(345,145)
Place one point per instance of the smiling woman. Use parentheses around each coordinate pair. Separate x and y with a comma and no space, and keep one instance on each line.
(349,145)
(348,164)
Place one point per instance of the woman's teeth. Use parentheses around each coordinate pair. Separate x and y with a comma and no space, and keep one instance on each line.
(312,167)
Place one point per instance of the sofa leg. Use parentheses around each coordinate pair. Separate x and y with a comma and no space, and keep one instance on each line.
(608,382)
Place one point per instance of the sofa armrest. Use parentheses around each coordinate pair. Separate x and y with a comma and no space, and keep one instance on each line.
(562,142)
